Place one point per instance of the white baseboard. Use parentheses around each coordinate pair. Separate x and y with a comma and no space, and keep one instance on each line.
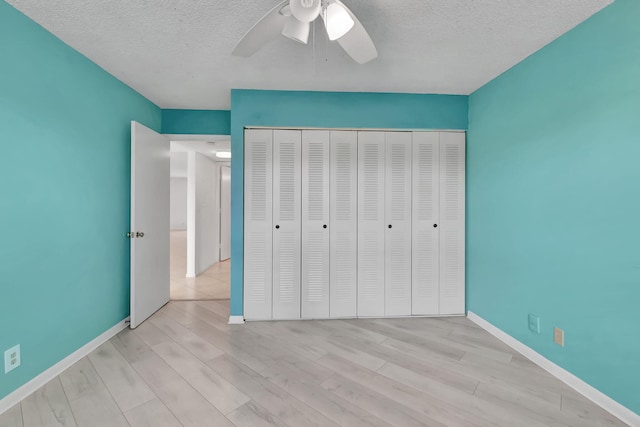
(27,389)
(588,391)
(236,320)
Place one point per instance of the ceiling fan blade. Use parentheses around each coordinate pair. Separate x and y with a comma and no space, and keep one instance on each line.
(357,42)
(266,29)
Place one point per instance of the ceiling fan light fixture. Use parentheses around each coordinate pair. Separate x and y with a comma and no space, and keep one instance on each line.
(296,30)
(337,21)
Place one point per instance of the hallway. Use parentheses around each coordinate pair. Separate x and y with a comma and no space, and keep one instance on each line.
(211,284)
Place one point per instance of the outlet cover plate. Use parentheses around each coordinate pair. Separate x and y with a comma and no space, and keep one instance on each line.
(558,336)
(534,323)
(11,359)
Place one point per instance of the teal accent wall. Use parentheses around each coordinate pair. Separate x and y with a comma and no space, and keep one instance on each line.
(323,110)
(64,188)
(196,122)
(553,201)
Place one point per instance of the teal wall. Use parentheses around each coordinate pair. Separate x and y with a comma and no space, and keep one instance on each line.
(553,193)
(196,122)
(64,188)
(323,110)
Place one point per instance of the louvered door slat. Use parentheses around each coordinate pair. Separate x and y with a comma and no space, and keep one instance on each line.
(258,225)
(425,245)
(371,216)
(398,220)
(344,223)
(286,217)
(315,223)
(452,214)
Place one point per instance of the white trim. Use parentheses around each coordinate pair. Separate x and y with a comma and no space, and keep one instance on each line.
(236,320)
(588,391)
(188,137)
(358,129)
(27,389)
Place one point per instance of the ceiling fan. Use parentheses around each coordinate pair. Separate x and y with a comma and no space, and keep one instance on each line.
(293,19)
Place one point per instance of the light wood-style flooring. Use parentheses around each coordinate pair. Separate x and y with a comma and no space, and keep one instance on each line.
(214,283)
(186,367)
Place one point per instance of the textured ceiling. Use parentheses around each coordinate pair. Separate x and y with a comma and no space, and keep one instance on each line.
(177,53)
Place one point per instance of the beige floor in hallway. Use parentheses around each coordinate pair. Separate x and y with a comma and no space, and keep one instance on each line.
(186,366)
(212,284)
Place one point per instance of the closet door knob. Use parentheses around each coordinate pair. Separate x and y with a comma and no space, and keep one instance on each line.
(324,226)
(277,226)
(435,225)
(389,225)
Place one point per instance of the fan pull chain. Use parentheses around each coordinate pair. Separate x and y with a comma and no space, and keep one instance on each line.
(313,50)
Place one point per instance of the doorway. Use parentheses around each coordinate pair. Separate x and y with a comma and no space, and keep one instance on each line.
(200,208)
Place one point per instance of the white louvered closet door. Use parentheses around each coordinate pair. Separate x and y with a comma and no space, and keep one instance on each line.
(286,225)
(451,226)
(258,224)
(397,286)
(425,217)
(315,224)
(371,224)
(344,223)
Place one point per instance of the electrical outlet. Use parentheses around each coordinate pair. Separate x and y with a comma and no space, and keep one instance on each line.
(558,336)
(534,323)
(11,359)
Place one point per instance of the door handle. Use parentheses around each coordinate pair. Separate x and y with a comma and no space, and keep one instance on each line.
(435,225)
(277,226)
(139,234)
(130,234)
(324,226)
(390,226)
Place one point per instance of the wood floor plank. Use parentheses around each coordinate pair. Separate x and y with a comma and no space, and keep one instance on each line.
(198,370)
(306,389)
(90,401)
(130,346)
(186,338)
(12,417)
(48,406)
(253,415)
(587,413)
(153,413)
(432,409)
(375,403)
(122,381)
(150,334)
(188,406)
(479,412)
(218,391)
(280,403)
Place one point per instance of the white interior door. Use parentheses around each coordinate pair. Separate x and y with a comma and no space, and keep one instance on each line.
(451,226)
(343,225)
(258,224)
(397,284)
(371,257)
(425,218)
(287,194)
(225,212)
(149,222)
(315,224)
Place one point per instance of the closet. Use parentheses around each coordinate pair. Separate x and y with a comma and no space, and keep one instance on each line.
(353,223)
